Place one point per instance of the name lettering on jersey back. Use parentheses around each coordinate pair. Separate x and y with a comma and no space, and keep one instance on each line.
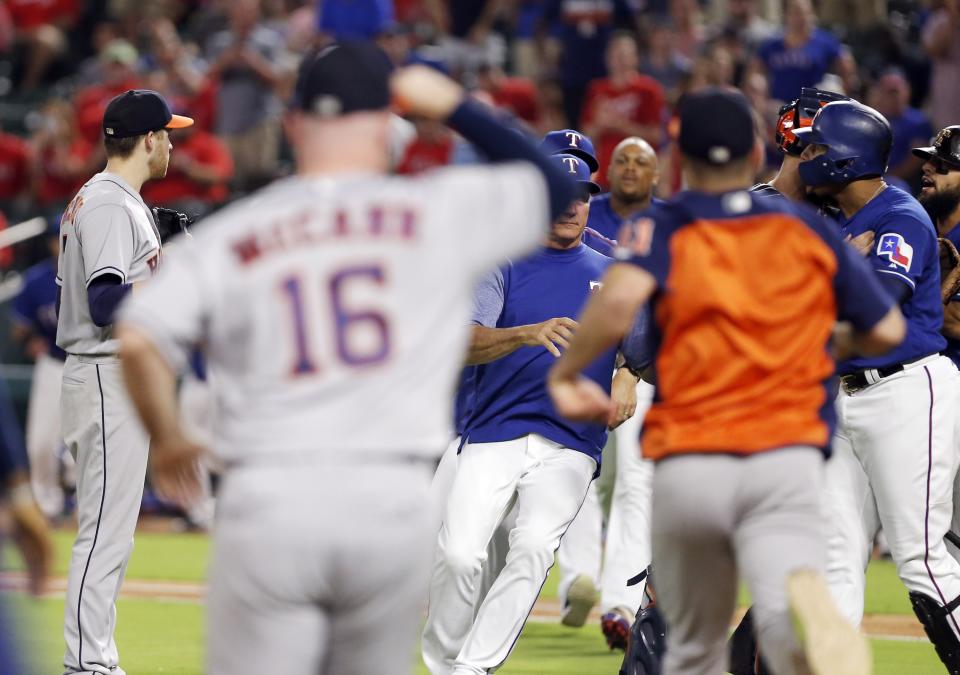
(310,228)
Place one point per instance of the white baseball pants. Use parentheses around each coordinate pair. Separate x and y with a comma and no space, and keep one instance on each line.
(43,437)
(499,542)
(548,483)
(895,465)
(319,568)
(717,515)
(103,433)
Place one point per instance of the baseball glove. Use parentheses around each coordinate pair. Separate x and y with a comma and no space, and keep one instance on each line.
(170,222)
(949,270)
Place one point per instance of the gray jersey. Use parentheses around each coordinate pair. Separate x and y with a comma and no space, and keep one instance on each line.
(334,312)
(107,229)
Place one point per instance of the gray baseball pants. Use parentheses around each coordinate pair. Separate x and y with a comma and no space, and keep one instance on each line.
(320,568)
(717,516)
(103,433)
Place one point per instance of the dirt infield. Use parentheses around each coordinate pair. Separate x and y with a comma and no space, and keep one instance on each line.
(884,626)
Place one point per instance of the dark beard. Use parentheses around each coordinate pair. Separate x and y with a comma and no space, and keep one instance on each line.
(940,204)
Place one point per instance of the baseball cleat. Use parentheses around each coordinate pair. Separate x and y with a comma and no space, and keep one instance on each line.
(832,645)
(615,625)
(581,597)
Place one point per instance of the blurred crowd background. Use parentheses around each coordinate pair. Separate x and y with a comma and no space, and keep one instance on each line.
(609,68)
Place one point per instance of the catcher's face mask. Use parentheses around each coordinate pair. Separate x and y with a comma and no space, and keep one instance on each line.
(799,114)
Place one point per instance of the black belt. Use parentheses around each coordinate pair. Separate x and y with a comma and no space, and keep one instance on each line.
(858,381)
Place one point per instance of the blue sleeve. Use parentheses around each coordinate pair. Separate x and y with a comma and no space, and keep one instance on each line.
(638,344)
(644,242)
(488,300)
(903,242)
(104,295)
(598,242)
(13,453)
(23,307)
(861,299)
(832,46)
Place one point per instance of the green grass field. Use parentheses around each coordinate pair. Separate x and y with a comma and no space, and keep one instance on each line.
(163,636)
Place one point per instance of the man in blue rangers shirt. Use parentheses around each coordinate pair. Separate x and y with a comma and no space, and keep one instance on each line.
(34,326)
(896,413)
(583,565)
(518,449)
(633,175)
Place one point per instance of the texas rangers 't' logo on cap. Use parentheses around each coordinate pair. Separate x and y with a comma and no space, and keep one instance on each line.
(573,165)
(574,138)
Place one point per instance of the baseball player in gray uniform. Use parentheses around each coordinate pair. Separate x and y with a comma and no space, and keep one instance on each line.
(109,244)
(332,310)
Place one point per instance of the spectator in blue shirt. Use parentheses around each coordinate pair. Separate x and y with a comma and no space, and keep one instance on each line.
(803,54)
(890,95)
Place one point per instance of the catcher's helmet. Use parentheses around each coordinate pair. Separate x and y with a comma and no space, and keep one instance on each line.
(858,141)
(799,114)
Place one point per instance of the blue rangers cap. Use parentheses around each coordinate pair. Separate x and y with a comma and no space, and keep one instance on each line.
(571,142)
(578,170)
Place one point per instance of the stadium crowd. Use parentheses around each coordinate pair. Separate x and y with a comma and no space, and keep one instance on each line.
(611,68)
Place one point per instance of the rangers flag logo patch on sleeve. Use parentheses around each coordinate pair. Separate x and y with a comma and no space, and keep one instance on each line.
(893,247)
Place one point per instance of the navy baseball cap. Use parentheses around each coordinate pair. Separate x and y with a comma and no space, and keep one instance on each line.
(716,126)
(138,111)
(342,78)
(571,142)
(578,170)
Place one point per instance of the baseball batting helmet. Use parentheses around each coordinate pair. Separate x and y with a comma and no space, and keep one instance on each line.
(858,141)
(571,142)
(945,151)
(799,114)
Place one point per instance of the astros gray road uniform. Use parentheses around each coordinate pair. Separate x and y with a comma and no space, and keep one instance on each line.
(107,229)
(334,317)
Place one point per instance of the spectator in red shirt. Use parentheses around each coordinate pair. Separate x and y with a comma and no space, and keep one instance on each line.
(119,74)
(196,181)
(42,28)
(64,158)
(625,103)
(433,147)
(518,95)
(15,171)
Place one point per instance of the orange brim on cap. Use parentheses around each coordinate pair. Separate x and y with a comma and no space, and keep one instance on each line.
(179,122)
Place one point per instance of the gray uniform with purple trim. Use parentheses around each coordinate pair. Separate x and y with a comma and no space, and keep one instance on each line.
(107,229)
